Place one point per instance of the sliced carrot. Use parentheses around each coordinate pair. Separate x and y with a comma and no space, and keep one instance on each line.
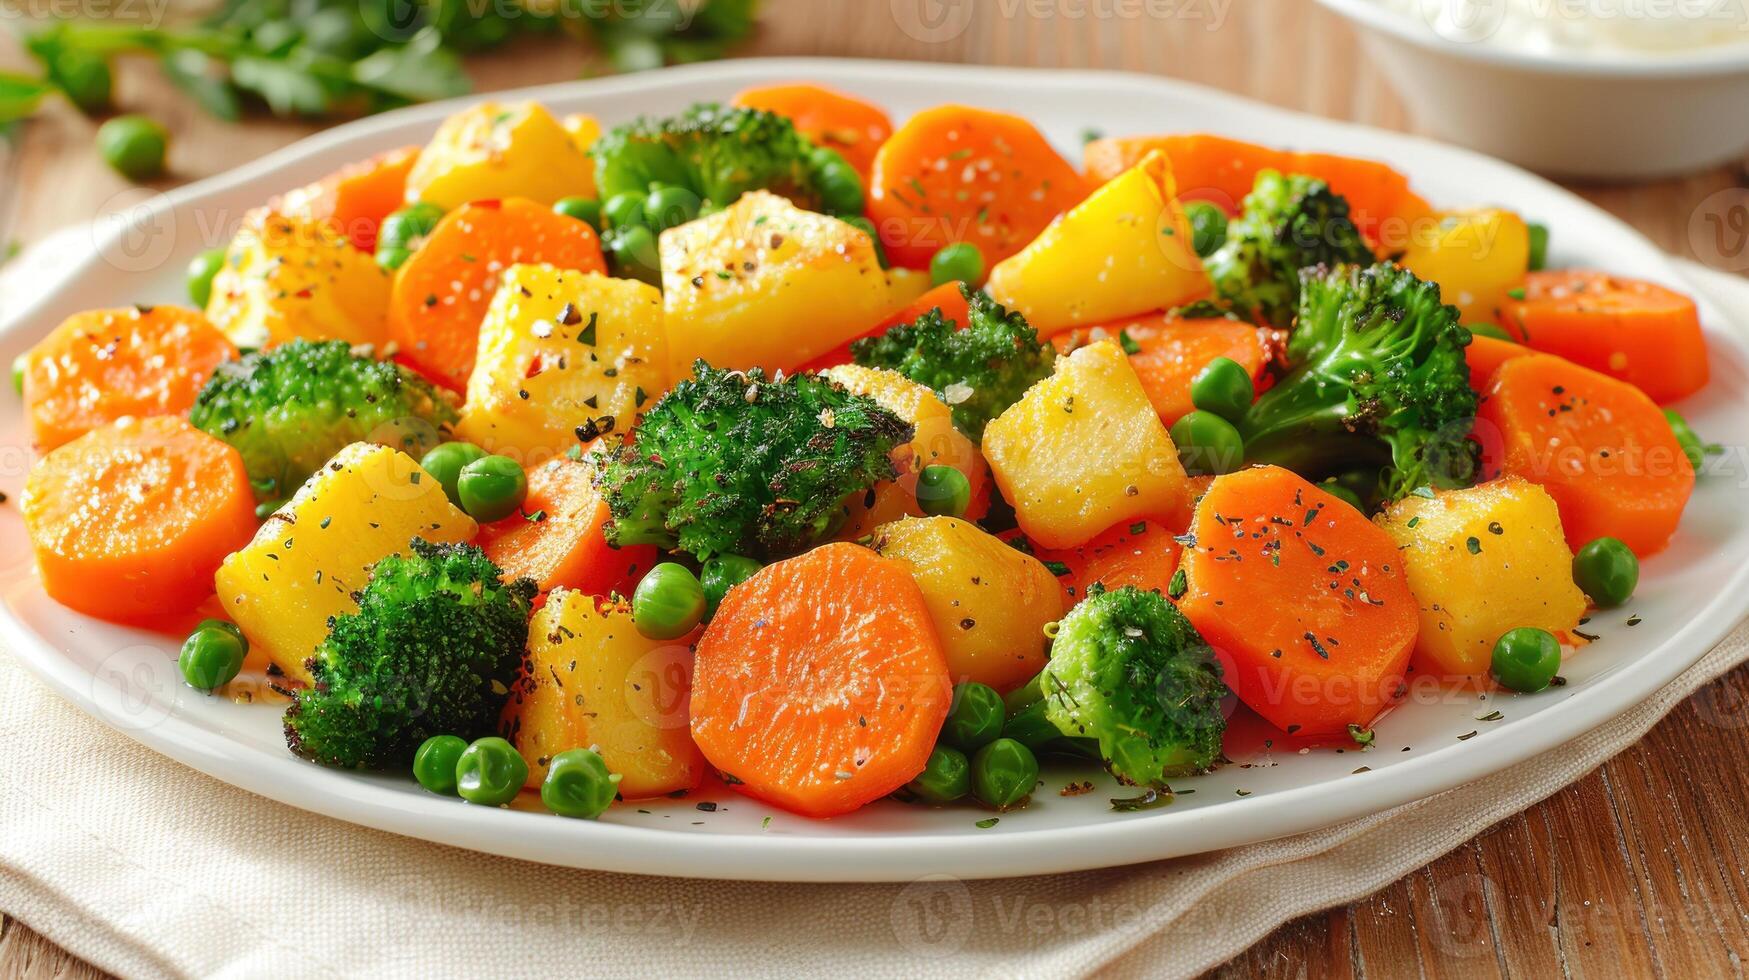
(101,365)
(820,685)
(557,540)
(957,174)
(945,297)
(1486,354)
(856,129)
(355,199)
(1636,331)
(1599,446)
(1304,599)
(1143,554)
(1222,171)
(130,521)
(1168,352)
(441,293)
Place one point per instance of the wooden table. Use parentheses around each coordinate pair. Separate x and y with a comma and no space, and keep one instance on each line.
(1636,869)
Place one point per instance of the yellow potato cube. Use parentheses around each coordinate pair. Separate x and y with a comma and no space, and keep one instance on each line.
(593,681)
(1475,256)
(309,558)
(1084,450)
(491,151)
(559,349)
(1483,561)
(286,278)
(1125,250)
(763,283)
(989,601)
(585,130)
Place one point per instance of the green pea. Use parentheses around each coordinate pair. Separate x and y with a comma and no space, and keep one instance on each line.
(436,762)
(227,626)
(134,145)
(1208,227)
(582,208)
(579,785)
(445,462)
(1539,246)
(840,187)
(20,365)
(490,772)
(1223,387)
(959,262)
(1687,438)
(392,257)
(1526,659)
(1208,443)
(868,227)
(722,573)
(1607,571)
(1004,773)
(491,488)
(85,79)
(201,270)
(1342,493)
(1495,331)
(946,777)
(624,209)
(671,206)
(404,229)
(943,491)
(975,720)
(212,656)
(634,252)
(668,603)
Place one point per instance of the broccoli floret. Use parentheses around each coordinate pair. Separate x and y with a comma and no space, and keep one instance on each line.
(1128,670)
(717,152)
(1376,380)
(979,370)
(435,644)
(1288,223)
(732,462)
(289,409)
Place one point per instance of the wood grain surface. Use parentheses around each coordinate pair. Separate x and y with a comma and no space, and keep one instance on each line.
(1637,870)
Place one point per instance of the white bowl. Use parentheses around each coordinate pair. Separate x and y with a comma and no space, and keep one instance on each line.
(1599,115)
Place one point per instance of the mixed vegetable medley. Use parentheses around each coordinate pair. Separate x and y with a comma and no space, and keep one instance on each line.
(772,443)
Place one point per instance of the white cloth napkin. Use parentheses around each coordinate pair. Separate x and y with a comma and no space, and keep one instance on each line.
(149,869)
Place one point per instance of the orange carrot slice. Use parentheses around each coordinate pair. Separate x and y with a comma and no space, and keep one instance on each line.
(1168,352)
(355,199)
(1636,331)
(1143,554)
(1486,354)
(442,292)
(102,365)
(856,129)
(130,521)
(1599,446)
(1304,598)
(945,297)
(820,685)
(557,540)
(957,174)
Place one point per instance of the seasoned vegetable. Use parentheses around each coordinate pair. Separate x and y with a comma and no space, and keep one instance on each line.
(1140,553)
(1004,774)
(578,784)
(356,199)
(669,603)
(490,151)
(1607,571)
(286,278)
(827,118)
(491,488)
(719,153)
(559,542)
(489,772)
(1289,222)
(1477,257)
(1629,329)
(1169,350)
(1526,659)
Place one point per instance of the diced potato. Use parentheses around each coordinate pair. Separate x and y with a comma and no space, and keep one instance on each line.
(763,283)
(936,443)
(1084,450)
(592,680)
(1475,256)
(306,562)
(285,278)
(1483,561)
(491,151)
(585,130)
(1125,250)
(989,601)
(558,349)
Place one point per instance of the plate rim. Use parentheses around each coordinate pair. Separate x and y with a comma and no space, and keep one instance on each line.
(899,856)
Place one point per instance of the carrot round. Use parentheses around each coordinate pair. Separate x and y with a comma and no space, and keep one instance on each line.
(820,685)
(1143,554)
(1636,331)
(557,540)
(101,365)
(856,129)
(1304,598)
(442,291)
(355,199)
(130,521)
(1485,355)
(1599,446)
(1169,352)
(957,174)
(946,297)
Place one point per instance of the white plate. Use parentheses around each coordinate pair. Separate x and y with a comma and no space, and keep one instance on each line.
(1689,597)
